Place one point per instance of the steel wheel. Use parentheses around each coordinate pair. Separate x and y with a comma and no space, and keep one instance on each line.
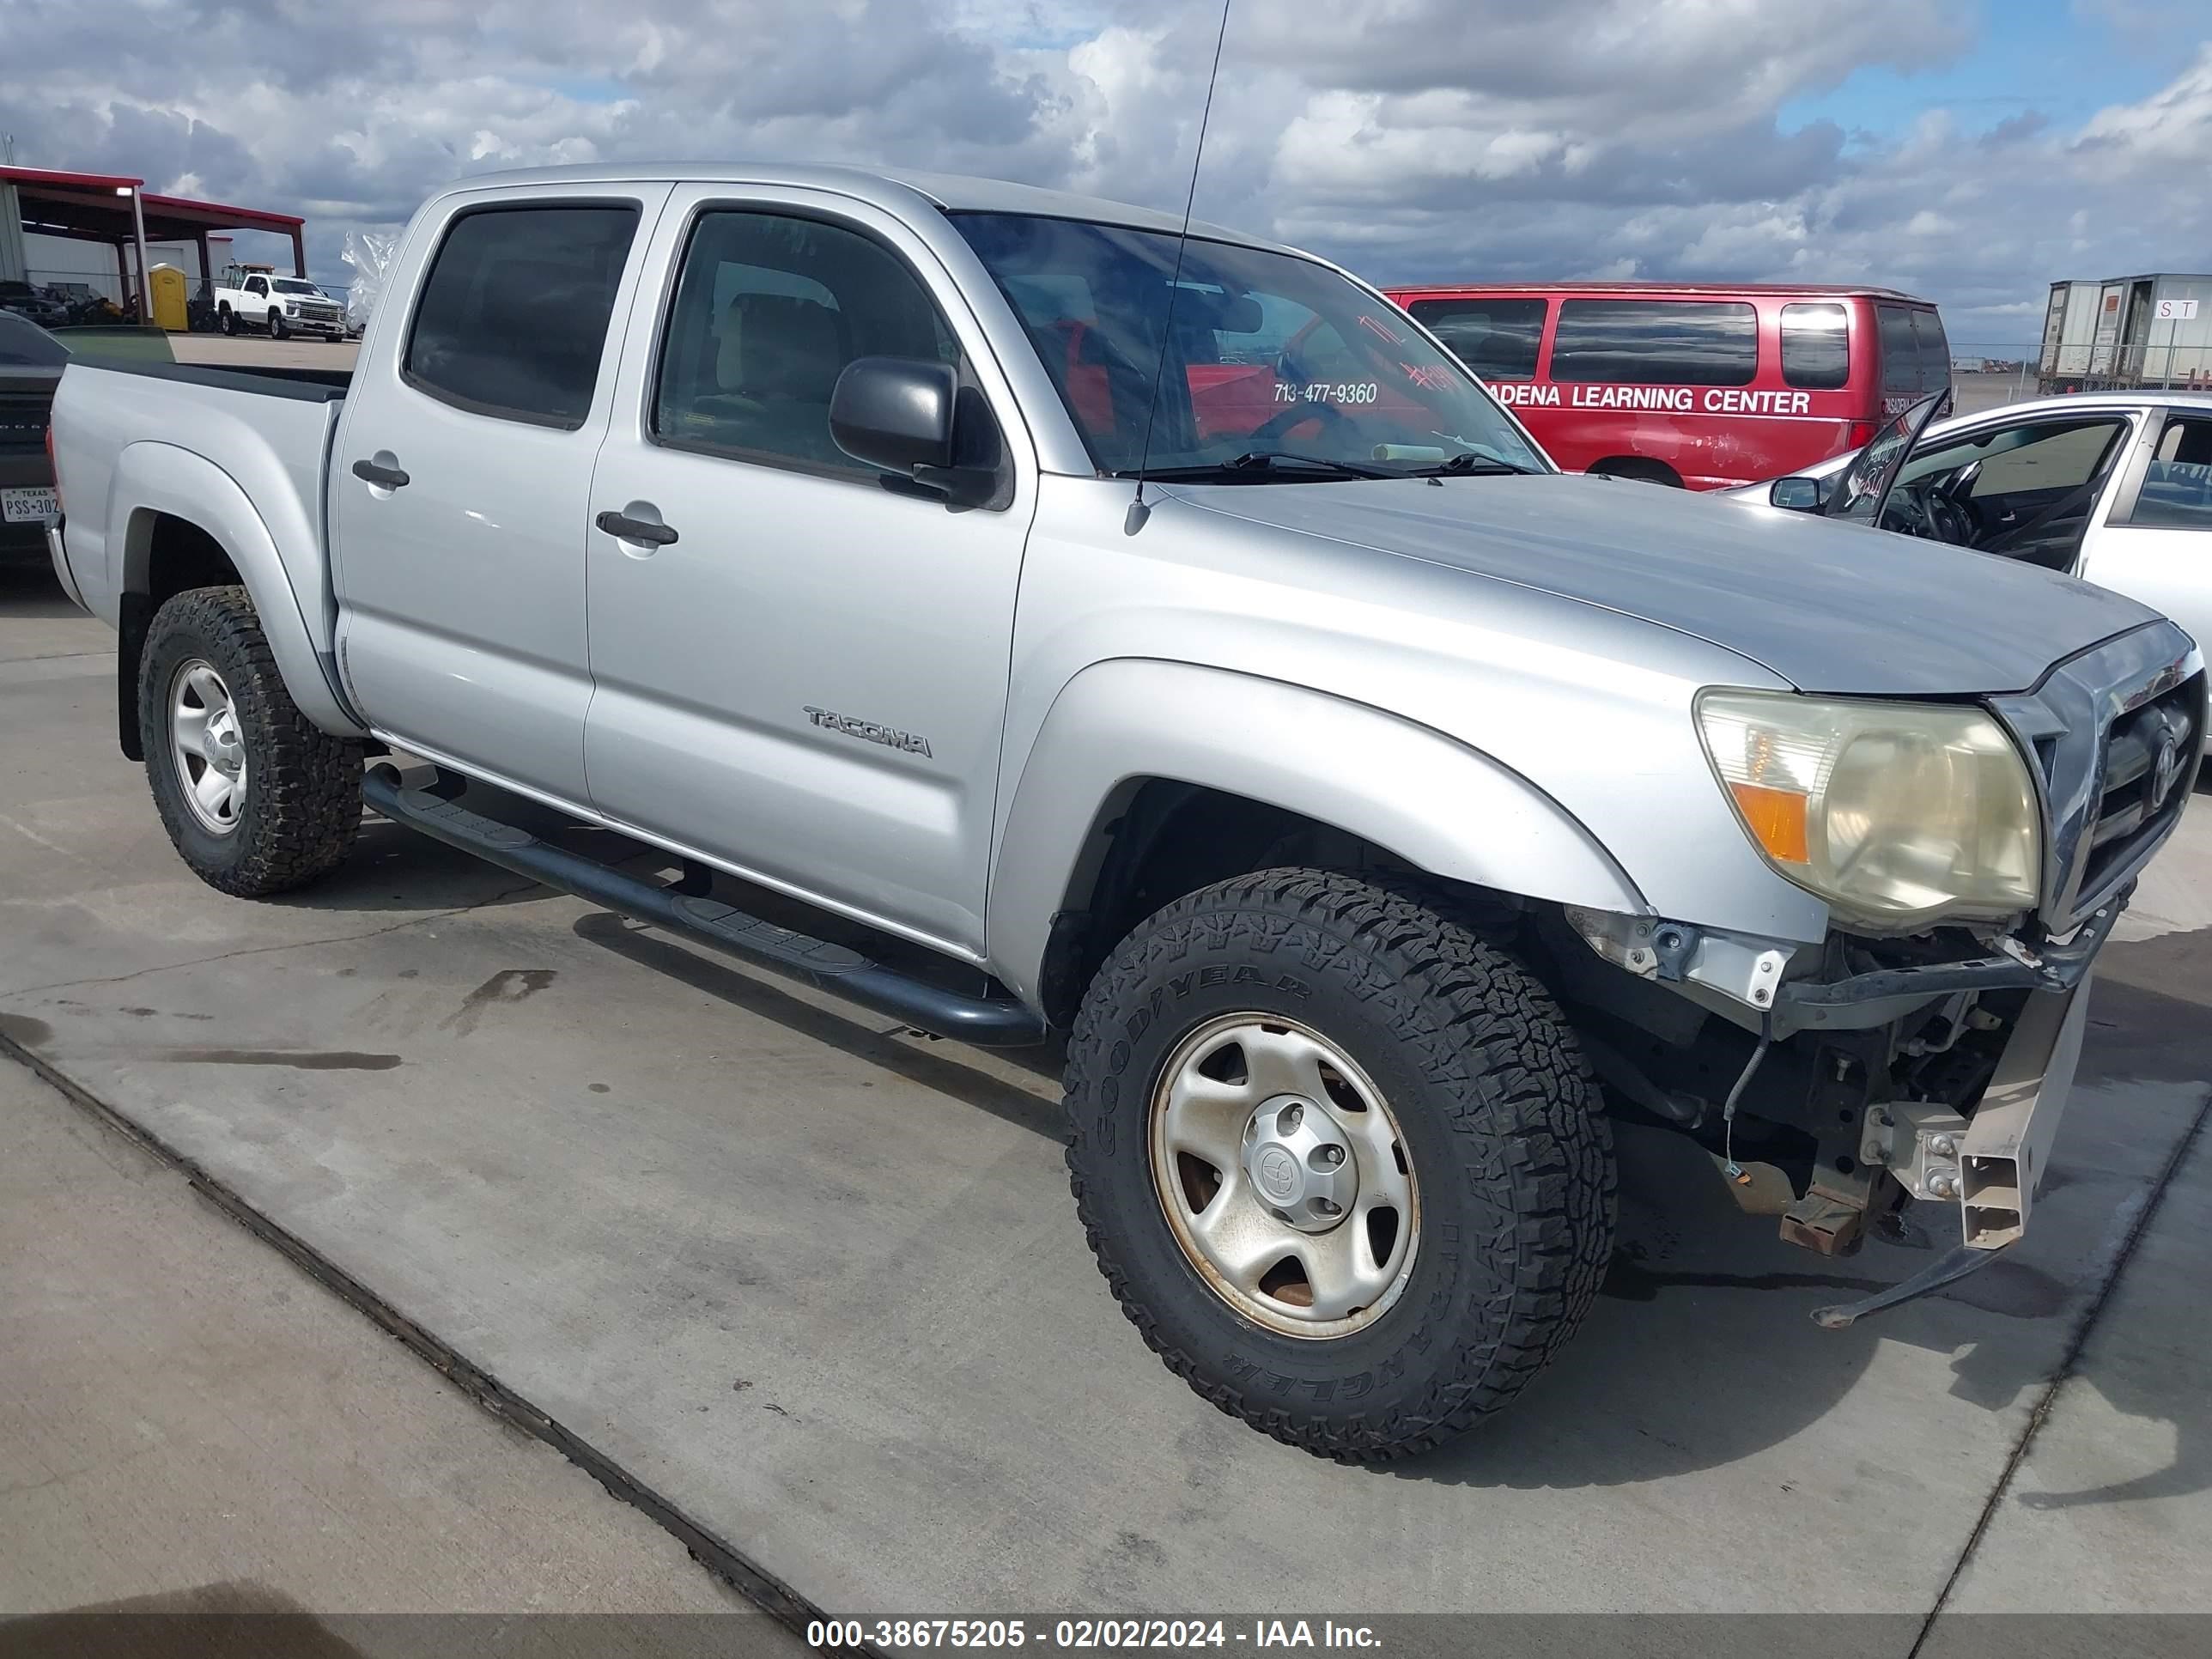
(1283,1176)
(207,746)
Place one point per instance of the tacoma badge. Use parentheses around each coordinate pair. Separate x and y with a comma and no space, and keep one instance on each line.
(869,731)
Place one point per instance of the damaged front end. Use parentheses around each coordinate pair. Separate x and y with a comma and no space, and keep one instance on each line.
(1929,1060)
(1831,1084)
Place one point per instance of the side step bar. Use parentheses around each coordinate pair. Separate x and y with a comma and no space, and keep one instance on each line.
(987,1021)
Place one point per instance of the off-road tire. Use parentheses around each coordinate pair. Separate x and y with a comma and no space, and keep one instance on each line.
(303,803)
(1496,1109)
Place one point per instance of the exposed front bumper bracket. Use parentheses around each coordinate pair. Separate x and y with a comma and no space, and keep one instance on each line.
(1947,1269)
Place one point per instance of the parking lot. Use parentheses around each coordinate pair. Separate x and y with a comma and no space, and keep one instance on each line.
(808,1290)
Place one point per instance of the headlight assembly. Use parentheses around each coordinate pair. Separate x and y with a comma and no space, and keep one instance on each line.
(1896,813)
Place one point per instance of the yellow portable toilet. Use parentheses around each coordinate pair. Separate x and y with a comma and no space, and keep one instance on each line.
(168,284)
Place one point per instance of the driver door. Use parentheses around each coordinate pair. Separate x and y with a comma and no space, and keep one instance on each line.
(2023,490)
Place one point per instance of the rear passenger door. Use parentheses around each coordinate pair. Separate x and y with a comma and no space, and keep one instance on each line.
(806,683)
(2157,545)
(461,473)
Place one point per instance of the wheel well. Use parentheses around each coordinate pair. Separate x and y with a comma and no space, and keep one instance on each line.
(179,556)
(1637,466)
(1156,840)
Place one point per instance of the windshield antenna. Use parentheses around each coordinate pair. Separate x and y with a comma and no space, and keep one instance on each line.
(1138,510)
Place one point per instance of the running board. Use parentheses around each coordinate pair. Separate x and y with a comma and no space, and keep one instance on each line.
(987,1021)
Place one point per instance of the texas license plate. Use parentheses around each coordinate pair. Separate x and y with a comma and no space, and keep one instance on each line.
(27,506)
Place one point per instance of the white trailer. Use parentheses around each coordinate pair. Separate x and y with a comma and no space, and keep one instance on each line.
(2129,332)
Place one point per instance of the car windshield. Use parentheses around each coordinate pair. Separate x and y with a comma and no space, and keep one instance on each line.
(289,285)
(24,344)
(1280,370)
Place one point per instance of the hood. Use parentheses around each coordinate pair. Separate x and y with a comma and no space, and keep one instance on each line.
(1829,607)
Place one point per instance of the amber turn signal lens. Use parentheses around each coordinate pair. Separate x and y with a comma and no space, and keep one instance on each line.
(1777,816)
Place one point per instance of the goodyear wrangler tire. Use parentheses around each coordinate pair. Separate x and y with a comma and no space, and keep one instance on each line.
(1340,1160)
(255,799)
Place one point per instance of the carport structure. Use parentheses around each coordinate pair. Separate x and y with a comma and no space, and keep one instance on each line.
(97,207)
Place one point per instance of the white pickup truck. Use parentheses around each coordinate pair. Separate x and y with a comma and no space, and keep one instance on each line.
(1071,632)
(252,297)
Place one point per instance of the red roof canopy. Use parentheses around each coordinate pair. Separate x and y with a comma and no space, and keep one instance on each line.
(97,204)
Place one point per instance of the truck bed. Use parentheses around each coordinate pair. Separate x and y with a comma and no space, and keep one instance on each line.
(250,446)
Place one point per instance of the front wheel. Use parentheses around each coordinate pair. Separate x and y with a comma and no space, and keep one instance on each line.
(1340,1160)
(255,799)
(277,329)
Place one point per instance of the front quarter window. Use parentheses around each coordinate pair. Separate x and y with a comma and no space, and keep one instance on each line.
(1271,354)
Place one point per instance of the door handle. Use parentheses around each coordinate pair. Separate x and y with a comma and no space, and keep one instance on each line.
(384,478)
(622,527)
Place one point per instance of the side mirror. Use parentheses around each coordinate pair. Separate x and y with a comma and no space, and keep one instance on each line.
(1798,494)
(896,413)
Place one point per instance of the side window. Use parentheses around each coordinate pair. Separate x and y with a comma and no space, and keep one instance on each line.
(1816,346)
(2177,488)
(1666,343)
(256,285)
(769,309)
(513,318)
(1900,353)
(1496,338)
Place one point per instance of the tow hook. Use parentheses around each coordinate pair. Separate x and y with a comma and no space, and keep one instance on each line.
(1945,1269)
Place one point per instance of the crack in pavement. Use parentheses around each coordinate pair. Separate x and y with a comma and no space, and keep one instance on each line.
(756,1583)
(2049,1398)
(265,950)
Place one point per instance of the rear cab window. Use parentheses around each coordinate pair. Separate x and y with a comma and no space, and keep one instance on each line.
(512,320)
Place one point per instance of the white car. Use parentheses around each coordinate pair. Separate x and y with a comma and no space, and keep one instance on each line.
(250,298)
(2113,487)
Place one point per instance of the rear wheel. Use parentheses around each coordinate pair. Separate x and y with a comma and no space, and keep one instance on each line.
(256,800)
(1339,1159)
(229,320)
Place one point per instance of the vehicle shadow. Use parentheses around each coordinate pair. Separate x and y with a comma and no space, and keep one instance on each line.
(1699,1351)
(29,592)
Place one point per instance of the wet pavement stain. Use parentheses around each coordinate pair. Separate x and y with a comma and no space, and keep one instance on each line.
(302,1060)
(507,985)
(22,1028)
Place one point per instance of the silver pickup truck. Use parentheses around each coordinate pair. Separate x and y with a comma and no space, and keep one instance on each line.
(1373,808)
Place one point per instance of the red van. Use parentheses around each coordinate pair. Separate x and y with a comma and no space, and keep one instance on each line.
(1706,386)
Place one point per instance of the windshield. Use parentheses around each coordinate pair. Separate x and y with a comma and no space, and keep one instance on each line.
(1273,354)
(289,285)
(25,344)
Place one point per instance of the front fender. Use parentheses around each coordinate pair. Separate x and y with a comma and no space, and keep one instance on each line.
(153,478)
(1425,797)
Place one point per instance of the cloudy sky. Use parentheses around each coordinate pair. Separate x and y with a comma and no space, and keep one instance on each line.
(1972,150)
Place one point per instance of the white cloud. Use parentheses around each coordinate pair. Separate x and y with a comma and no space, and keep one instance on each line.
(1410,138)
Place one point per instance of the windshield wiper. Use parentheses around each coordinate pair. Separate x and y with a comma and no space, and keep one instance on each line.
(1470,463)
(1261,463)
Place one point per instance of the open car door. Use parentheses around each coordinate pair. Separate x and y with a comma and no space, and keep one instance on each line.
(1861,490)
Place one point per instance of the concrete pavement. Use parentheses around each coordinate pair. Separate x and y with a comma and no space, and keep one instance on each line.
(816,1284)
(187,1421)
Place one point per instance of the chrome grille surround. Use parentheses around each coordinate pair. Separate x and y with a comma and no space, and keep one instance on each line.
(2113,735)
